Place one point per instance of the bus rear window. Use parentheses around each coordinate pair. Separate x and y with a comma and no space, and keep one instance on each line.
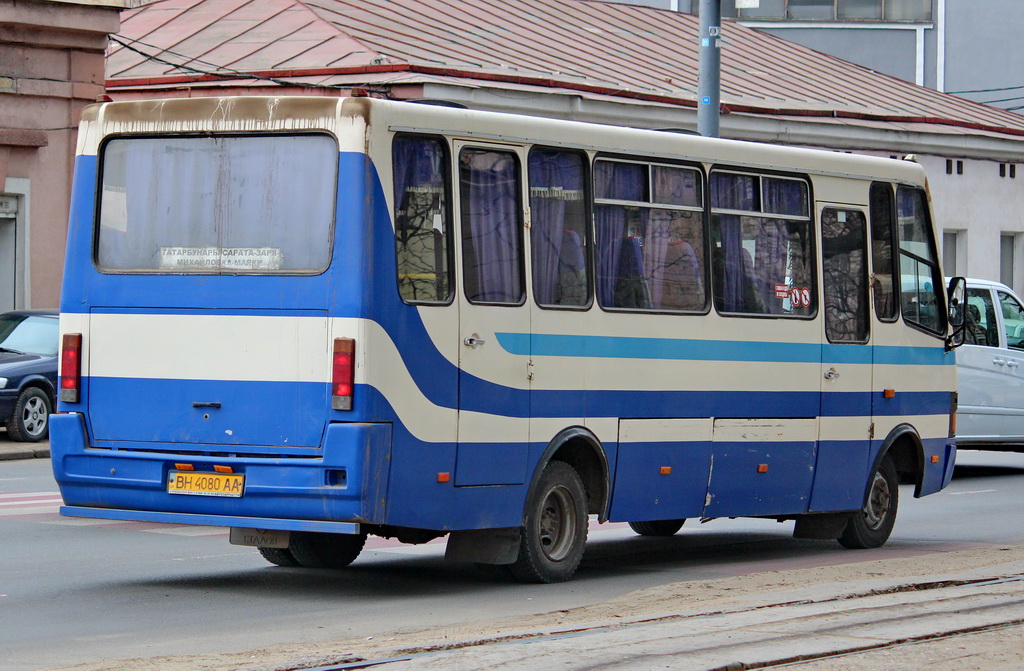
(217,205)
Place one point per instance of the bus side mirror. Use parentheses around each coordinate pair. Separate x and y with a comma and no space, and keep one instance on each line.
(957,295)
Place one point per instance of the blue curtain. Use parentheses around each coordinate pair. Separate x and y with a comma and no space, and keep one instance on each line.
(732,192)
(559,267)
(491,226)
(616,181)
(417,165)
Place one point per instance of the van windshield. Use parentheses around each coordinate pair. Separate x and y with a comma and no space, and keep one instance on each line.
(217,205)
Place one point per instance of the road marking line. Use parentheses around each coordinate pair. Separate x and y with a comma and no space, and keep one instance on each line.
(976,491)
(30,510)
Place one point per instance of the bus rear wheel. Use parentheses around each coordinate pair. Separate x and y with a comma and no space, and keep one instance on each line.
(320,550)
(279,556)
(870,528)
(657,527)
(555,528)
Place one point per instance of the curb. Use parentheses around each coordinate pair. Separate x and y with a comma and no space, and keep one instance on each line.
(22,451)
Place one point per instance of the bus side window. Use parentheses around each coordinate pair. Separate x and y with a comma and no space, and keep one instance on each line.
(763,258)
(559,231)
(422,226)
(920,281)
(492,224)
(882,256)
(843,252)
(650,236)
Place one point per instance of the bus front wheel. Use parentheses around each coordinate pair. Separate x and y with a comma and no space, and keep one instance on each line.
(320,550)
(870,528)
(657,527)
(555,529)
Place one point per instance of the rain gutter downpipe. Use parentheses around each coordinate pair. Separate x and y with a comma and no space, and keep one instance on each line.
(709,68)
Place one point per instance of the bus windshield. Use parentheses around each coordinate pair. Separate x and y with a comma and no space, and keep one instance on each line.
(215,205)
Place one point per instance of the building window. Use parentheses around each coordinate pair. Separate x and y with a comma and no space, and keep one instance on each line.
(950,252)
(830,10)
(1007,242)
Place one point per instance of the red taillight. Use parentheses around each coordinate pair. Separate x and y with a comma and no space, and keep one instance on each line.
(343,373)
(70,367)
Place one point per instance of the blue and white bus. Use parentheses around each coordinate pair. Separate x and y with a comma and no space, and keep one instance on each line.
(313,319)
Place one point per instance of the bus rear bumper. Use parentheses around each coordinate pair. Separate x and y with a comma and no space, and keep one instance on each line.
(345,485)
(210,520)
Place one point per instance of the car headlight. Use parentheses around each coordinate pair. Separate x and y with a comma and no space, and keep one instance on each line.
(3,382)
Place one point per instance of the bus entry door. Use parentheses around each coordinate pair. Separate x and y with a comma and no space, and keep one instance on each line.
(846,363)
(494,402)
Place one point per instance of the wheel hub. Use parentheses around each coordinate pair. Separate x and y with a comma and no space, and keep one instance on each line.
(556,524)
(34,416)
(878,502)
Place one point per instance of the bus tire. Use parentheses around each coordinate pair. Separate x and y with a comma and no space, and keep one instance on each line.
(870,527)
(279,556)
(657,527)
(555,527)
(320,550)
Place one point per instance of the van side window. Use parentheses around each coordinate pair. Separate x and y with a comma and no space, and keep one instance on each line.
(1013,320)
(492,224)
(422,219)
(883,258)
(762,248)
(980,326)
(920,280)
(559,237)
(844,252)
(649,221)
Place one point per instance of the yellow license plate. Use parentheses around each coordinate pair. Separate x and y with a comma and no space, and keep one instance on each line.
(205,484)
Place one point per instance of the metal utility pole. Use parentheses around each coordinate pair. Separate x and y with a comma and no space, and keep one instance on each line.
(709,68)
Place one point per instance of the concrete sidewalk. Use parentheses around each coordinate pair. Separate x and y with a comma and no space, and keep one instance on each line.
(10,449)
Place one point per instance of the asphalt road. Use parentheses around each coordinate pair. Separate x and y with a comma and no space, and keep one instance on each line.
(75,591)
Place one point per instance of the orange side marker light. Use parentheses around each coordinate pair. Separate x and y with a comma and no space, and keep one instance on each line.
(889,393)
(666,470)
(762,468)
(444,477)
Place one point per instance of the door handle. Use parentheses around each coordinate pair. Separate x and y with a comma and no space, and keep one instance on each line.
(473,341)
(1012,364)
(999,362)
(831,374)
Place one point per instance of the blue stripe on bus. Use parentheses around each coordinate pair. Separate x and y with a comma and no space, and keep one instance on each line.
(370,405)
(544,344)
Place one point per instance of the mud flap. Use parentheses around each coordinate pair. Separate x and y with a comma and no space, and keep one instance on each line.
(822,527)
(484,546)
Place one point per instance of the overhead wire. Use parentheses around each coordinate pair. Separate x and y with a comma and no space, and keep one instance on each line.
(219,70)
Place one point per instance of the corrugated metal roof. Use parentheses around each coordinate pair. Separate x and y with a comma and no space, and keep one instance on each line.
(590,47)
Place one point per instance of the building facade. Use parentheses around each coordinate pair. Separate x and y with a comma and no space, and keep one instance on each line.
(967,48)
(51,66)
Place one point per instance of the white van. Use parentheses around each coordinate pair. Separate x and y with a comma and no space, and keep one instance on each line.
(990,366)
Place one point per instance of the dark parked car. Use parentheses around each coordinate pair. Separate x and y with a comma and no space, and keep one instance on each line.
(29,341)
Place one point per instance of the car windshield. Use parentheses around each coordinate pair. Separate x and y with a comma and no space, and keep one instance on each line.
(28,334)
